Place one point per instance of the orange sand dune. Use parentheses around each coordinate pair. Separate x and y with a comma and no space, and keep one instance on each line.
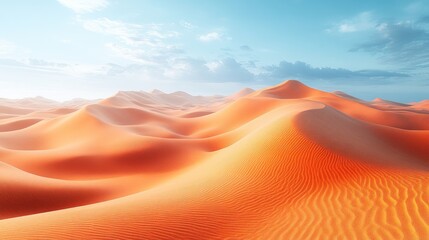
(423,105)
(285,162)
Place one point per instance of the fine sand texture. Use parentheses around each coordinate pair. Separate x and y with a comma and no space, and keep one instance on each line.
(284,162)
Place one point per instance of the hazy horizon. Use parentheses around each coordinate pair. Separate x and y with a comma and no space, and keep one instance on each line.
(63,100)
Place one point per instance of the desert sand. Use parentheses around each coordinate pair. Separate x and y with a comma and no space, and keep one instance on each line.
(285,162)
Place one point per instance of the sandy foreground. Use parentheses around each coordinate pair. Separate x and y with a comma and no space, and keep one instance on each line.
(285,162)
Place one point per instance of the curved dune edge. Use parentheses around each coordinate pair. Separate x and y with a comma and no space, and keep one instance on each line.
(287,162)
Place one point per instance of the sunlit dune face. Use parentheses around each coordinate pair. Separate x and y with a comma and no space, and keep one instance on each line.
(285,162)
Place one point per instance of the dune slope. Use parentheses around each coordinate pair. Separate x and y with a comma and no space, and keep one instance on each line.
(286,162)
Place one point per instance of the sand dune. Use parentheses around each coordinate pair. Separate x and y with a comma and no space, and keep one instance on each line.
(423,105)
(285,162)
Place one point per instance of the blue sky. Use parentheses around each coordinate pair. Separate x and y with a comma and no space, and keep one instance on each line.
(63,49)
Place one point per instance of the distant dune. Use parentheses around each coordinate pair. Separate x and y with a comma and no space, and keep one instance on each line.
(284,162)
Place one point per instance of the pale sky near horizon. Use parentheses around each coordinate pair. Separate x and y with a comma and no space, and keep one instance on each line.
(62,49)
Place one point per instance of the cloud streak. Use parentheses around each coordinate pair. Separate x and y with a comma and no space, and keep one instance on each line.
(302,70)
(362,22)
(394,42)
(144,44)
(40,65)
(401,42)
(126,32)
(210,37)
(84,6)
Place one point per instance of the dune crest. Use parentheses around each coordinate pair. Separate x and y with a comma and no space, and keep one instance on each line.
(284,162)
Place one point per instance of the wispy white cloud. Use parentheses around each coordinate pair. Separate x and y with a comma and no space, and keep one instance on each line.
(126,32)
(345,27)
(394,41)
(156,30)
(187,25)
(144,44)
(214,65)
(137,55)
(211,36)
(198,70)
(184,69)
(84,6)
(129,33)
(6,47)
(401,42)
(361,22)
(69,69)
